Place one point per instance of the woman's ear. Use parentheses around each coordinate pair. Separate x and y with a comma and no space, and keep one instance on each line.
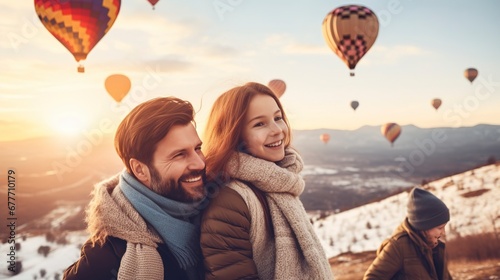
(141,171)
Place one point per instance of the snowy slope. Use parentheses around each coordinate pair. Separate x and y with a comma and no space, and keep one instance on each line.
(59,258)
(472,197)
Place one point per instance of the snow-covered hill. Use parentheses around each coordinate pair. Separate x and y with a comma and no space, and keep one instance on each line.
(472,197)
(34,263)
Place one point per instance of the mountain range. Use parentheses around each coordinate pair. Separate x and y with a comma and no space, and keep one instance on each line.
(359,166)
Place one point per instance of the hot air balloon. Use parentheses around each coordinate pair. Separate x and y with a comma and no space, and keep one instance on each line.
(354,105)
(350,32)
(117,86)
(470,74)
(325,137)
(153,3)
(78,24)
(277,86)
(391,132)
(436,102)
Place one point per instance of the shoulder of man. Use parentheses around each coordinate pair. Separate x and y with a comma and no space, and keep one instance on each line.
(98,261)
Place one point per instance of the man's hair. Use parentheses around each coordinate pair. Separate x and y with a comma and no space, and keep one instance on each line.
(145,126)
(224,128)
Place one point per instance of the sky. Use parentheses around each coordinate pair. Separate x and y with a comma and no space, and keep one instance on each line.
(196,50)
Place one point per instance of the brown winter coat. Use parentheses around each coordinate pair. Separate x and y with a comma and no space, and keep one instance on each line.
(103,262)
(227,217)
(236,241)
(405,255)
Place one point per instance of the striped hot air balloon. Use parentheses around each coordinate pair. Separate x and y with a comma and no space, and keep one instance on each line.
(391,132)
(350,32)
(470,74)
(277,86)
(78,24)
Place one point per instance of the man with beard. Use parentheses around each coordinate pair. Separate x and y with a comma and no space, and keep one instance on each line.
(144,222)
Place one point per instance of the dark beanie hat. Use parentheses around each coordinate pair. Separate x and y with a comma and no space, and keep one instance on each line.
(425,210)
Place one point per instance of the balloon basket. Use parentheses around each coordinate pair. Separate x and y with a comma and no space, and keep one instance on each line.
(81,69)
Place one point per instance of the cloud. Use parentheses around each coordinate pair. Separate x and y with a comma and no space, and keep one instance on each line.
(289,45)
(394,54)
(306,49)
(170,65)
(14,96)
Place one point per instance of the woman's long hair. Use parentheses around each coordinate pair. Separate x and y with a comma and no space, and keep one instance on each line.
(222,136)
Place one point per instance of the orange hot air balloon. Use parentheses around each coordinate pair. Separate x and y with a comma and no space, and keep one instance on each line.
(277,86)
(391,132)
(354,105)
(325,137)
(118,86)
(350,32)
(471,74)
(436,103)
(78,24)
(153,3)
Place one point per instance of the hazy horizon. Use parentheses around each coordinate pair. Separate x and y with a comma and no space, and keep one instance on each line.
(196,51)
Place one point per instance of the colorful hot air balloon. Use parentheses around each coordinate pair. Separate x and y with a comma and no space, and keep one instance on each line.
(325,137)
(354,105)
(350,31)
(78,24)
(117,86)
(470,74)
(436,102)
(391,132)
(153,3)
(277,86)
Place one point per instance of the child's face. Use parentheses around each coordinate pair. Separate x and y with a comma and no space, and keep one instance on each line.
(265,129)
(432,235)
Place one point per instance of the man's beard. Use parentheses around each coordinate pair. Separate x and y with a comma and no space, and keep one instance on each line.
(173,189)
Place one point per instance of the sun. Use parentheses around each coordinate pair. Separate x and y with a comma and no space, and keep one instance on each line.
(67,124)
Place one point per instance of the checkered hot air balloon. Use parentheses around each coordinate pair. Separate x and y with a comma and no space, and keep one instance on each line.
(350,32)
(78,24)
(391,132)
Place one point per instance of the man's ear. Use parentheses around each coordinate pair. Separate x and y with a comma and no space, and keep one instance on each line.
(141,171)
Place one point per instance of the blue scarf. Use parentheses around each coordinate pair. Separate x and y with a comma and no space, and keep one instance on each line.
(169,218)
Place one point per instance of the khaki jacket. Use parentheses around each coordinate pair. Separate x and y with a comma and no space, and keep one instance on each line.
(405,255)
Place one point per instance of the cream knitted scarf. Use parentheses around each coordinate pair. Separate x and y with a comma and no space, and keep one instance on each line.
(298,251)
(111,214)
